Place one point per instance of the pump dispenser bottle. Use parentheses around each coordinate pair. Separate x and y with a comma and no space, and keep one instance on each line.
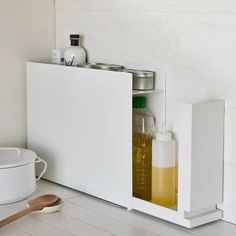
(75,54)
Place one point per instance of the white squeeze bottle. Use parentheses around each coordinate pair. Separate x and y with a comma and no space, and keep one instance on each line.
(163,170)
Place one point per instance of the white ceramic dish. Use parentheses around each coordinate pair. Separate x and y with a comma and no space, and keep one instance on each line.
(56,207)
(17,174)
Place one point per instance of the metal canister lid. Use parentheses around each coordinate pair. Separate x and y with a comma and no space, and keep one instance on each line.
(140,73)
(104,66)
(86,65)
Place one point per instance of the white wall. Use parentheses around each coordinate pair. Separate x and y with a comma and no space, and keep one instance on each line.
(26,33)
(194,42)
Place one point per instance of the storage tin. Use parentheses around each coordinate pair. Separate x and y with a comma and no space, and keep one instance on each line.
(142,79)
(104,66)
(87,65)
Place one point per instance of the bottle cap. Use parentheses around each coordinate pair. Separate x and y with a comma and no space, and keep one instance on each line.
(139,102)
(74,39)
(164,136)
(74,36)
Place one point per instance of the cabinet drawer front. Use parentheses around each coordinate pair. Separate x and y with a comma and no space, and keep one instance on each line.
(80,122)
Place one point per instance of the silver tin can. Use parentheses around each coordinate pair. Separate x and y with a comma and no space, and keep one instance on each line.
(87,65)
(104,66)
(142,79)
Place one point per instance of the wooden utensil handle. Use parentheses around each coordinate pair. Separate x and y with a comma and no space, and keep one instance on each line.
(16,216)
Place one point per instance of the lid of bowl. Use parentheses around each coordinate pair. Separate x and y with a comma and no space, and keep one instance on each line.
(140,73)
(13,157)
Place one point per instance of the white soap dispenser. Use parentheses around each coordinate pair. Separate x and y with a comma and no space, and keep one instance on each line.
(75,54)
(163,169)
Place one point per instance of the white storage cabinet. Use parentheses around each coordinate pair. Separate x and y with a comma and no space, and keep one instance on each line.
(80,122)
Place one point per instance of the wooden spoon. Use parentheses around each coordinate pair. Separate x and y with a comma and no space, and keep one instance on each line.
(34,205)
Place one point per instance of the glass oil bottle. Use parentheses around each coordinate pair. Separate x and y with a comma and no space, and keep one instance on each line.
(143,130)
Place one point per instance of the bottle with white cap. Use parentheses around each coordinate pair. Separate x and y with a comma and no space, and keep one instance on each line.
(75,54)
(163,169)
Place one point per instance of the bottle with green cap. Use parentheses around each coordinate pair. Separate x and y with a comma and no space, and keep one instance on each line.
(143,133)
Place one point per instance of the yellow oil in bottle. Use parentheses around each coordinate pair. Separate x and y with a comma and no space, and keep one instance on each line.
(176,183)
(163,188)
(142,165)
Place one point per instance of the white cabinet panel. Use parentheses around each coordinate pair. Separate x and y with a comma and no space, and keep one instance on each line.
(80,122)
(207,154)
(229,185)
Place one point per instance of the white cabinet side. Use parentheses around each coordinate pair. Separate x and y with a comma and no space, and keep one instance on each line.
(80,122)
(207,154)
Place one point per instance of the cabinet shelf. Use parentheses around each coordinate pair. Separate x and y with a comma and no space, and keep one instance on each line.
(176,216)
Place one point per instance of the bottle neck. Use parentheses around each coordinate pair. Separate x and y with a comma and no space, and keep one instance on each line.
(74,42)
(140,108)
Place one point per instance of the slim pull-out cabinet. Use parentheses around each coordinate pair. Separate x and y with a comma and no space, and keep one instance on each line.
(80,122)
(198,129)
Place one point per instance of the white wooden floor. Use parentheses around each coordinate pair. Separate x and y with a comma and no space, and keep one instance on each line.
(87,216)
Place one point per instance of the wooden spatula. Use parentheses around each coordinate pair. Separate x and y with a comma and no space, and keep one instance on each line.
(34,205)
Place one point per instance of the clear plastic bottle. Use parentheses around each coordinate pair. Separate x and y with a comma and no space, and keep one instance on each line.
(163,170)
(143,130)
(75,54)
